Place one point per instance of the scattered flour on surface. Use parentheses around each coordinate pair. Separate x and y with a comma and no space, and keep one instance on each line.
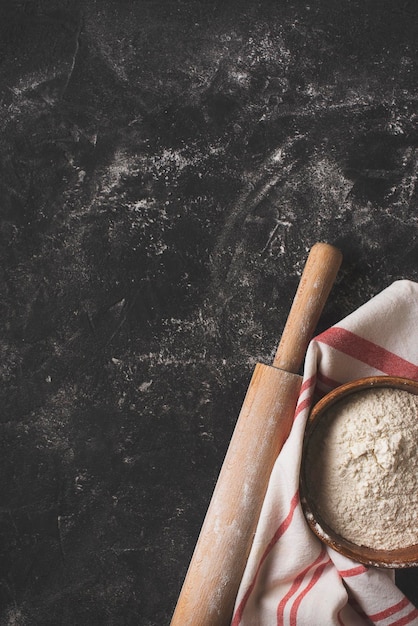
(363,469)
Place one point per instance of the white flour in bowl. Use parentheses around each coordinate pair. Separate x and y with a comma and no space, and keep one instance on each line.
(362,469)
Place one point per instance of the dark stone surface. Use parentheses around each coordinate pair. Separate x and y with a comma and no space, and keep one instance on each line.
(164,168)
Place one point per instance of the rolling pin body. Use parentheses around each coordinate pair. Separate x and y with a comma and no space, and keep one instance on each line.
(209,591)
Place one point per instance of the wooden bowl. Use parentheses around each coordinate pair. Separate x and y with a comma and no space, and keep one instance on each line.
(394,558)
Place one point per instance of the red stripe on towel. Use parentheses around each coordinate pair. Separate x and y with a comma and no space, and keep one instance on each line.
(302,406)
(279,532)
(295,586)
(376,617)
(309,384)
(317,575)
(326,380)
(368,352)
(354,571)
(413,615)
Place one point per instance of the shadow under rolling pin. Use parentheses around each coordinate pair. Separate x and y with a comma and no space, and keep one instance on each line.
(211,585)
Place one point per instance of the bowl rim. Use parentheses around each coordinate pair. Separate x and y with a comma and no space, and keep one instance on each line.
(394,558)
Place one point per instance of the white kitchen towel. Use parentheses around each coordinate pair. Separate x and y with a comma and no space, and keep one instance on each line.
(291,578)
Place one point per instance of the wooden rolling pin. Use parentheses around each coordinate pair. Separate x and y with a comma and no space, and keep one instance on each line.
(209,591)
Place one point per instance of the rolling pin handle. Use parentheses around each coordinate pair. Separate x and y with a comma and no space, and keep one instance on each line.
(318,276)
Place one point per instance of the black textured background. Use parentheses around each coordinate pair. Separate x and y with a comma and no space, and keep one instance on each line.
(164,168)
